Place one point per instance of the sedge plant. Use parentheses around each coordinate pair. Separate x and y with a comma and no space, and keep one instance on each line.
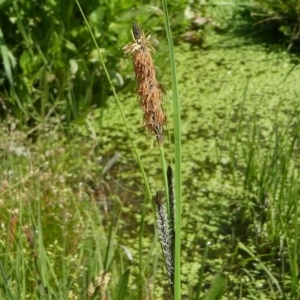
(150,93)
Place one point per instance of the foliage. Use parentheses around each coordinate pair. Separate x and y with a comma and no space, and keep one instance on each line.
(60,217)
(284,15)
(56,68)
(50,64)
(73,204)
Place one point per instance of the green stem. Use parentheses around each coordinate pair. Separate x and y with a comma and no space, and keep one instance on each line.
(177,133)
(164,171)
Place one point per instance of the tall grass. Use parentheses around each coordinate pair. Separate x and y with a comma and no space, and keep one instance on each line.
(270,208)
(27,268)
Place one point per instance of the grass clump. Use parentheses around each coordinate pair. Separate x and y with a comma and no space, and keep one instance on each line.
(59,225)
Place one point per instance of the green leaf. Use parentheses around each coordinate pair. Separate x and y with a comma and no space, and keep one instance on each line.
(25,59)
(7,58)
(123,285)
(217,288)
(3,3)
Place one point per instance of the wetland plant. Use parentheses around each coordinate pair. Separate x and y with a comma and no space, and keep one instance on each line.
(150,94)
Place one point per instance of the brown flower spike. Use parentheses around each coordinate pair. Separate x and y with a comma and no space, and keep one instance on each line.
(149,91)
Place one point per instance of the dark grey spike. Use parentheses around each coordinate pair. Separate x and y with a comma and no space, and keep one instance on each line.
(136,31)
(164,235)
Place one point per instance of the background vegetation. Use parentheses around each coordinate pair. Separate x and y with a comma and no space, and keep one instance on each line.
(71,197)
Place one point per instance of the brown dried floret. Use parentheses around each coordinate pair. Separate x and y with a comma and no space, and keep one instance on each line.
(149,91)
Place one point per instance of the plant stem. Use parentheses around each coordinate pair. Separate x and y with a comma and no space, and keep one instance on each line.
(177,137)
